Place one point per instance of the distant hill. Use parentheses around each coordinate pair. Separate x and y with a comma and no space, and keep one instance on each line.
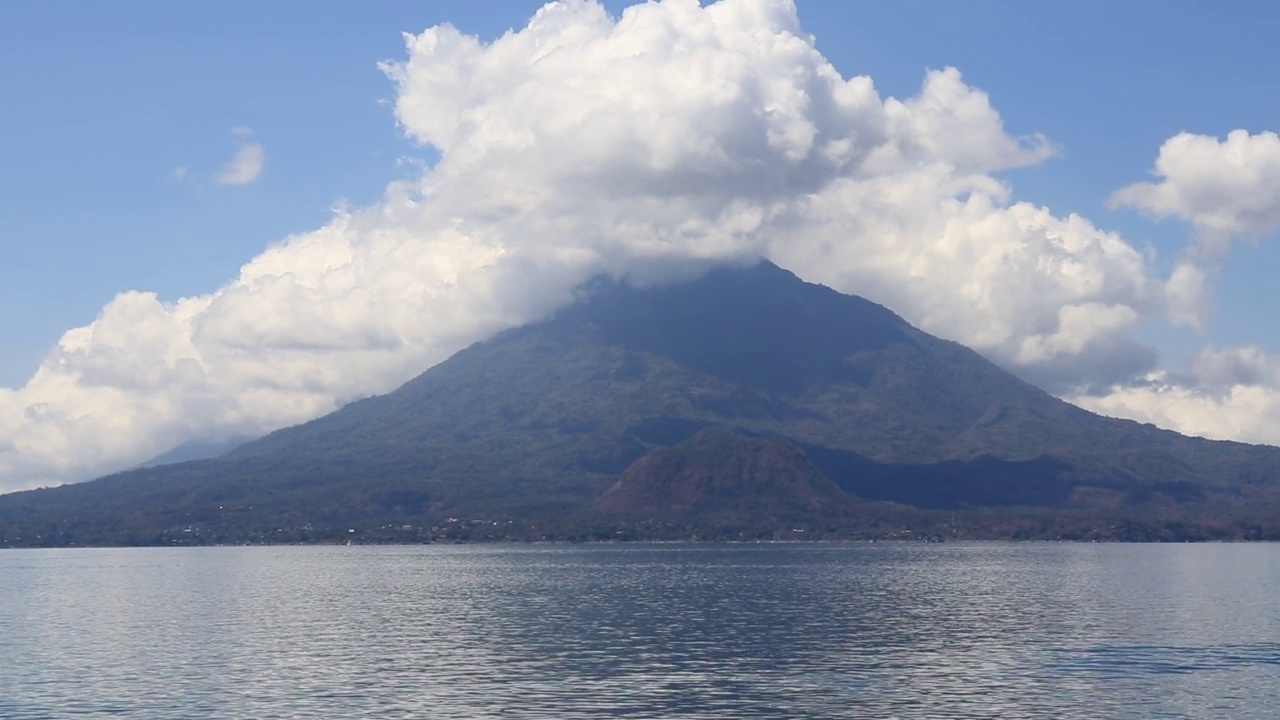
(195,450)
(746,403)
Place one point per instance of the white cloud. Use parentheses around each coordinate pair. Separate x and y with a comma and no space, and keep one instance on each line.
(581,144)
(1054,297)
(245,167)
(1189,296)
(1225,189)
(1231,394)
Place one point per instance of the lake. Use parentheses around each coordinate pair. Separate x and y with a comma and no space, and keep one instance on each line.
(643,631)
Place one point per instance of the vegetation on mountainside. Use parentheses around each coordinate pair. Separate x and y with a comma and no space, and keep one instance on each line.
(682,388)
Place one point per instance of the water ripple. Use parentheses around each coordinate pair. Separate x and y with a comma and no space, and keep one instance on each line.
(669,631)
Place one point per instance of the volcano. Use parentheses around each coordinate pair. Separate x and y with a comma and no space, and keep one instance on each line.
(745,401)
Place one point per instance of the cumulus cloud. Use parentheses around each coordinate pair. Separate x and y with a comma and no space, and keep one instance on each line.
(1189,295)
(645,145)
(246,166)
(1053,297)
(1229,394)
(1224,188)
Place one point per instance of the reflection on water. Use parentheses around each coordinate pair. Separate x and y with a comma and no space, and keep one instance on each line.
(646,631)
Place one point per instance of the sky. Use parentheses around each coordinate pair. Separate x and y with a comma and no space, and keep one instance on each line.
(220,219)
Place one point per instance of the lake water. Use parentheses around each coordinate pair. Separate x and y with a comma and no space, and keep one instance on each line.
(643,631)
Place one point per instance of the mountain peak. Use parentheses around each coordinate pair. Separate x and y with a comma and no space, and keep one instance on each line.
(759,325)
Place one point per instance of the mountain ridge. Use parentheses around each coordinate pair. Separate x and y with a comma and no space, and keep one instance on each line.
(538,423)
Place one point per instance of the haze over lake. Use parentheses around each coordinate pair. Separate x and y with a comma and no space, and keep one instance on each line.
(645,631)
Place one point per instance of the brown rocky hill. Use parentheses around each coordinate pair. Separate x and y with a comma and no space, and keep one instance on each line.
(727,476)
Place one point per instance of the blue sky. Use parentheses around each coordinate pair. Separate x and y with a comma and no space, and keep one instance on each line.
(119,117)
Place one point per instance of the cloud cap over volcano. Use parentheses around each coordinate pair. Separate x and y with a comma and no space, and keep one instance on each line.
(647,145)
